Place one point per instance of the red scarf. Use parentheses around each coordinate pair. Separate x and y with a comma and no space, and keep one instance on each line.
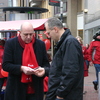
(29,60)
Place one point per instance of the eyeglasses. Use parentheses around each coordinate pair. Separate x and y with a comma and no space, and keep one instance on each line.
(49,32)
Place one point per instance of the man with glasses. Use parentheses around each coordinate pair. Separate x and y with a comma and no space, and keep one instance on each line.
(66,71)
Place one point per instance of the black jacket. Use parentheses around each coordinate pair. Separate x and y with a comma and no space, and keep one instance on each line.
(12,62)
(66,71)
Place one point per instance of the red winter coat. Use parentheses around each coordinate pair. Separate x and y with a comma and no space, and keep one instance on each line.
(86,54)
(94,52)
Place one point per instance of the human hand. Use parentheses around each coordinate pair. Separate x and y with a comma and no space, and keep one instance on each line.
(39,72)
(91,63)
(27,70)
(59,98)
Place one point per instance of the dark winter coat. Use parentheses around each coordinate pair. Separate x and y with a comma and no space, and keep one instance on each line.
(66,71)
(12,62)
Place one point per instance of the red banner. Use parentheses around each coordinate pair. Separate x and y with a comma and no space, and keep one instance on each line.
(54,3)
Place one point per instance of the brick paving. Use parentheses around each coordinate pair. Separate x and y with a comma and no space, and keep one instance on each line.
(90,94)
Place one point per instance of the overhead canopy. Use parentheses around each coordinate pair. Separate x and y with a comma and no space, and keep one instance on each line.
(38,24)
(25,9)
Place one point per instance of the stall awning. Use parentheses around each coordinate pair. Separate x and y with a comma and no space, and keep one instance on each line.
(38,24)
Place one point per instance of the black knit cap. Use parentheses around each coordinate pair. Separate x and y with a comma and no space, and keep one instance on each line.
(95,35)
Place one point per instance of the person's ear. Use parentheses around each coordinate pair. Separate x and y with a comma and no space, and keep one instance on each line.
(34,34)
(56,29)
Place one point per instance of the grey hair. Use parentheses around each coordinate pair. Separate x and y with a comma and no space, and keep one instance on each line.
(52,22)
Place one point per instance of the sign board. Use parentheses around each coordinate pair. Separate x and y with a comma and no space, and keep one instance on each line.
(54,3)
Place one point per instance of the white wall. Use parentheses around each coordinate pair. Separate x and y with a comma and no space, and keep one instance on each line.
(80,22)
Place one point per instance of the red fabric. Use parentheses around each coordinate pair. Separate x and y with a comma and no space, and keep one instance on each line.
(1,57)
(4,73)
(85,66)
(46,84)
(86,55)
(5,82)
(94,52)
(28,60)
(85,69)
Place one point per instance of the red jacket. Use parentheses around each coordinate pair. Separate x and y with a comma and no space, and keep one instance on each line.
(84,56)
(84,52)
(1,57)
(94,52)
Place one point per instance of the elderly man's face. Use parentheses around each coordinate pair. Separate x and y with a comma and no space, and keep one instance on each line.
(27,34)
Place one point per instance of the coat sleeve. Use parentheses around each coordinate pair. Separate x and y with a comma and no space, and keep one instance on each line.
(70,68)
(46,64)
(41,55)
(90,51)
(8,60)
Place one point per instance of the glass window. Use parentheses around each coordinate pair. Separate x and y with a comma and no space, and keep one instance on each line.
(10,3)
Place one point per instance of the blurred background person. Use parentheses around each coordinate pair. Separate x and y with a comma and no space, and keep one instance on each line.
(87,56)
(94,56)
(84,55)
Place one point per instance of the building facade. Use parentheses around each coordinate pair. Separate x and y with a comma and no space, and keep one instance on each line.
(91,19)
(82,17)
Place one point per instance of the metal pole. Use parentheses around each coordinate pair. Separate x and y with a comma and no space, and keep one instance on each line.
(27,3)
(61,10)
(5,15)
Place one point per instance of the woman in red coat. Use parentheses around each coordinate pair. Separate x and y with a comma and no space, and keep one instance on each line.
(87,56)
(84,50)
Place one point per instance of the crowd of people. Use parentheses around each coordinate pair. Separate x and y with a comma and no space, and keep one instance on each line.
(26,60)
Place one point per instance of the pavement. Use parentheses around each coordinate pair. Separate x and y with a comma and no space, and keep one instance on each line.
(90,93)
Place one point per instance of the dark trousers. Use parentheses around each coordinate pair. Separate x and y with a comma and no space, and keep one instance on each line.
(30,97)
(97,69)
(1,84)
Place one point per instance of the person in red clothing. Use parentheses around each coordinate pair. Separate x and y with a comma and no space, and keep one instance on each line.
(2,78)
(87,56)
(84,55)
(94,56)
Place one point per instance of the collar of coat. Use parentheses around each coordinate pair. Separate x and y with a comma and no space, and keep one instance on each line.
(64,35)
